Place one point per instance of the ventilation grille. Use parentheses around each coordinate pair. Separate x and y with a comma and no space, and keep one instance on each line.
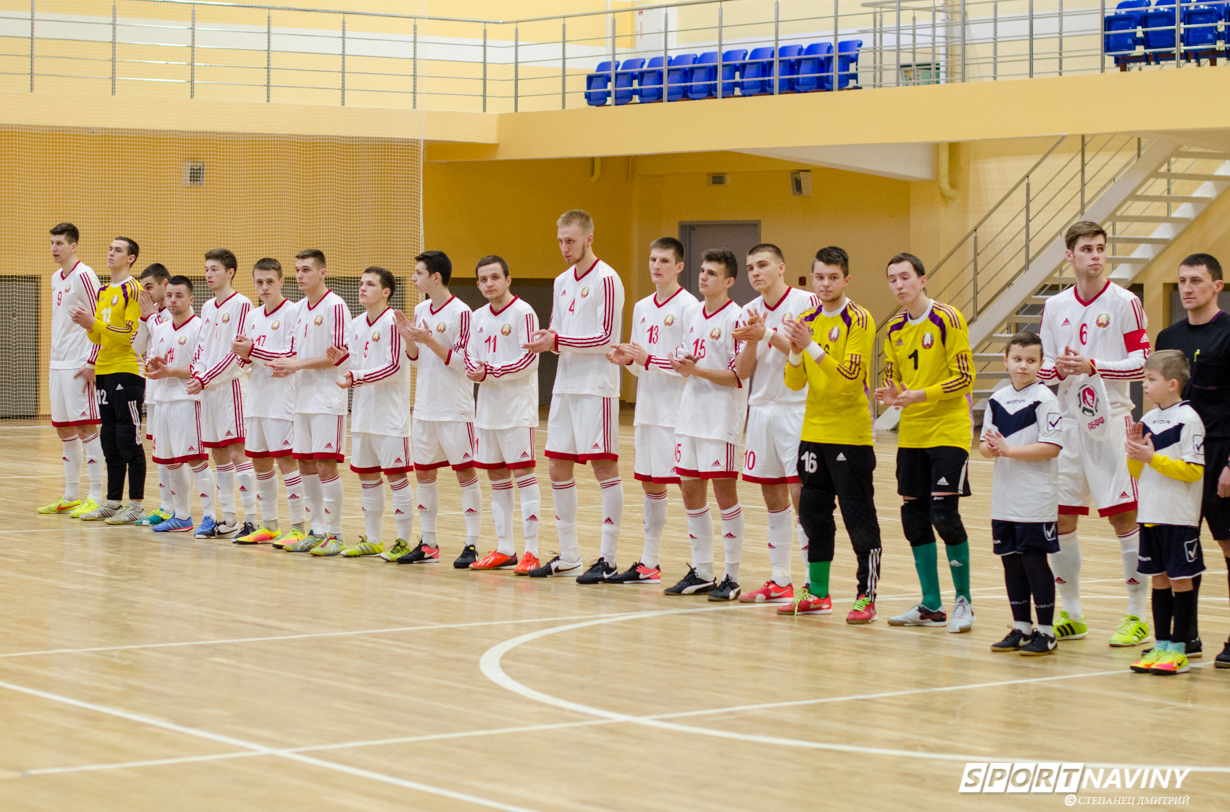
(194,173)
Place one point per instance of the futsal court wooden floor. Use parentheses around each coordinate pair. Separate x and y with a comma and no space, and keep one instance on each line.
(140,672)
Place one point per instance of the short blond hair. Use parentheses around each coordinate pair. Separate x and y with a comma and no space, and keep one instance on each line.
(576,217)
(1172,365)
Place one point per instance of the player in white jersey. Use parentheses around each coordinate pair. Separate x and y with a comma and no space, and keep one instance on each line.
(711,414)
(268,410)
(176,441)
(74,407)
(506,413)
(583,425)
(443,431)
(775,412)
(1093,343)
(152,300)
(657,331)
(320,406)
(219,377)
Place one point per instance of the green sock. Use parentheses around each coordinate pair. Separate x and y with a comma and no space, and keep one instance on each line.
(958,562)
(928,575)
(818,574)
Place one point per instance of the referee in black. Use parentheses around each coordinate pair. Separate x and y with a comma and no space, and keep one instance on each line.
(1204,337)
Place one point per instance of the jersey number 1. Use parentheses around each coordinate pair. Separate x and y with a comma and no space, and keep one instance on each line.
(914,357)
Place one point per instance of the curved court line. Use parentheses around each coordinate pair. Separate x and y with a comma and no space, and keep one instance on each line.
(492,667)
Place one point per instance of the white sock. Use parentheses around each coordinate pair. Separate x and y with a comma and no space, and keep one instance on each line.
(472,510)
(314,501)
(181,490)
(332,491)
(267,495)
(94,465)
(403,507)
(245,475)
(74,454)
(732,540)
(294,498)
(655,524)
(565,496)
(1137,584)
(803,542)
(205,488)
(612,516)
(1023,626)
(1049,631)
(780,522)
(165,502)
(372,499)
(700,536)
(531,503)
(429,506)
(502,515)
(225,475)
(1066,564)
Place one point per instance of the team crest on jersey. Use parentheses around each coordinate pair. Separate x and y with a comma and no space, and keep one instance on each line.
(319,320)
(669,320)
(506,330)
(68,288)
(1103,320)
(584,292)
(375,336)
(715,333)
(226,317)
(183,340)
(834,334)
(928,341)
(1087,397)
(275,325)
(441,327)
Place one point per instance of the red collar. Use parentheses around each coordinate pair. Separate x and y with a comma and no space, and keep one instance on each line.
(495,312)
(579,277)
(434,310)
(382,312)
(1095,297)
(656,303)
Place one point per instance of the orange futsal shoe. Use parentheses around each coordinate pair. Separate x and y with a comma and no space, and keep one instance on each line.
(863,611)
(495,560)
(769,593)
(528,562)
(806,603)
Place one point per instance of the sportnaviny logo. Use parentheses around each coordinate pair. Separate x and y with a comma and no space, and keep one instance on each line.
(1053,777)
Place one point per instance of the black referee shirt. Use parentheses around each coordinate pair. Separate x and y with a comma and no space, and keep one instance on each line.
(1207,347)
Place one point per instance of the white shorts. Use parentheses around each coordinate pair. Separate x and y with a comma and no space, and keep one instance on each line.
(268,437)
(177,433)
(504,448)
(319,437)
(441,443)
(702,458)
(74,401)
(222,415)
(657,453)
(583,428)
(379,453)
(1095,468)
(149,420)
(771,444)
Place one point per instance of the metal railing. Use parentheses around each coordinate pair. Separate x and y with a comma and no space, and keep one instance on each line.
(254,52)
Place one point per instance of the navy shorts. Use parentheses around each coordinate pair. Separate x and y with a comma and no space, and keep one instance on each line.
(1171,550)
(1024,537)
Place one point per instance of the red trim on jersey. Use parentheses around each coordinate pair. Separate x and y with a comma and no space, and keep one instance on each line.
(1077,296)
(92,422)
(369,317)
(656,303)
(177,326)
(779,301)
(705,311)
(435,310)
(659,480)
(64,276)
(1136,340)
(1117,509)
(269,312)
(495,312)
(218,304)
(318,301)
(591,267)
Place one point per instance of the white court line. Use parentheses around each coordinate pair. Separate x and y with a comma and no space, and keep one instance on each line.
(39,530)
(260,749)
(492,668)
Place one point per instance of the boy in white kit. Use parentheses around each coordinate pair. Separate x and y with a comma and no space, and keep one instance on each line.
(714,404)
(217,373)
(177,441)
(320,406)
(74,405)
(269,334)
(583,424)
(380,416)
(1093,343)
(443,430)
(507,411)
(657,331)
(775,412)
(152,299)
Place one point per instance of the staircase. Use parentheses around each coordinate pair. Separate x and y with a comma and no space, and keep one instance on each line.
(1145,193)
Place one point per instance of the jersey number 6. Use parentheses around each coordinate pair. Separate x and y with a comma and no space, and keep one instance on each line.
(1084,333)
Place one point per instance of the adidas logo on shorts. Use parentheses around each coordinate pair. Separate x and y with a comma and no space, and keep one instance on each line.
(716,464)
(328,445)
(607,520)
(841,457)
(1123,495)
(943,481)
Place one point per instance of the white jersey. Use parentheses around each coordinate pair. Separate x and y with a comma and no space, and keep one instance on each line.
(768,384)
(178,346)
(587,314)
(1109,330)
(1025,490)
(215,364)
(70,346)
(142,345)
(442,391)
(658,327)
(320,327)
(381,376)
(508,396)
(708,409)
(1178,433)
(273,334)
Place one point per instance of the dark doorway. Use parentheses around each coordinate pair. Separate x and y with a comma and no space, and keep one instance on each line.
(737,235)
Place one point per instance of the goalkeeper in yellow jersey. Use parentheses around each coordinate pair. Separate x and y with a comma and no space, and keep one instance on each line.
(830,352)
(930,375)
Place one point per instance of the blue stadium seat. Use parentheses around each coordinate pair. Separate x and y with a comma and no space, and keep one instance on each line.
(623,79)
(596,84)
(704,76)
(788,57)
(815,68)
(847,63)
(678,76)
(649,83)
(732,67)
(757,74)
(1200,23)
(1158,27)
(1122,32)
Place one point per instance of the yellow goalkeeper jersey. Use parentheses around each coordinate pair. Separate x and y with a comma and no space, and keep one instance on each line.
(932,354)
(115,324)
(838,396)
